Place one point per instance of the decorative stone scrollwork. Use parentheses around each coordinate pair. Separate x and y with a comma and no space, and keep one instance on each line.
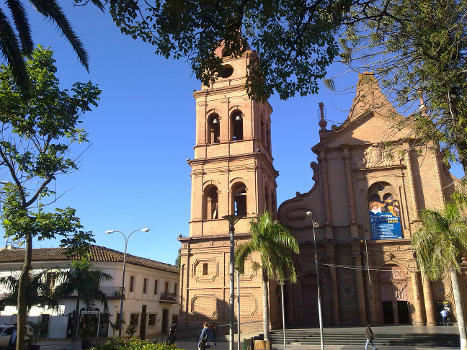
(376,156)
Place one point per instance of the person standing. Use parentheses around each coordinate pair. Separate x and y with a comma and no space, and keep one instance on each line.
(370,337)
(444,316)
(12,342)
(203,337)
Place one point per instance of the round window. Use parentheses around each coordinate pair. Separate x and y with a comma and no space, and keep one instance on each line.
(226,71)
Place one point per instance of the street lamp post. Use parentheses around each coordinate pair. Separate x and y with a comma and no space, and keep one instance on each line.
(232,219)
(238,310)
(314,225)
(120,316)
(283,311)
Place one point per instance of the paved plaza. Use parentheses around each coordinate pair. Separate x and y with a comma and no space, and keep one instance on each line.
(356,340)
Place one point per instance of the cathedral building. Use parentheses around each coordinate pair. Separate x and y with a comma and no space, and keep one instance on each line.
(370,183)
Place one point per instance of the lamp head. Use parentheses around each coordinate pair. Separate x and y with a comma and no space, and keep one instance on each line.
(309,213)
(109,231)
(146,229)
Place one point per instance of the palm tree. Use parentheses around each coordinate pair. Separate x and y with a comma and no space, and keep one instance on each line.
(85,279)
(277,248)
(13,46)
(440,244)
(39,292)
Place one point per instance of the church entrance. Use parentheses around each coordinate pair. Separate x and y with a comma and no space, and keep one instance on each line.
(393,295)
(310,301)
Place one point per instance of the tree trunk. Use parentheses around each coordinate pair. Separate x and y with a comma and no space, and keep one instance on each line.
(265,306)
(459,308)
(76,325)
(22,288)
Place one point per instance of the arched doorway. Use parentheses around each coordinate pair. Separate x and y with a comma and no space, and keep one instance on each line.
(309,301)
(393,295)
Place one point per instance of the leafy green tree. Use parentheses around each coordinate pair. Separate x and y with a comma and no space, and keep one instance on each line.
(276,247)
(36,140)
(85,279)
(419,53)
(15,44)
(440,244)
(294,40)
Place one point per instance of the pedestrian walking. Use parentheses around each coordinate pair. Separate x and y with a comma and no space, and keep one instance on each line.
(444,317)
(203,337)
(172,335)
(370,337)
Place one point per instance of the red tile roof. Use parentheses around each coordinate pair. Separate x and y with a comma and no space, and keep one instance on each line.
(97,254)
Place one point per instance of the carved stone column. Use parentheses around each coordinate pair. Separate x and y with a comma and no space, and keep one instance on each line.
(417,316)
(428,298)
(327,198)
(350,193)
(331,257)
(357,262)
(372,298)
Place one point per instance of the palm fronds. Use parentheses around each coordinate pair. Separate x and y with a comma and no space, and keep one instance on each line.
(276,245)
(441,241)
(13,46)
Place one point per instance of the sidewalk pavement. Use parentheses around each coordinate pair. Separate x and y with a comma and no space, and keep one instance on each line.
(59,344)
(191,345)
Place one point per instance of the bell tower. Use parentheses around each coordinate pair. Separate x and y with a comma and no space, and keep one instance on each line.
(232,173)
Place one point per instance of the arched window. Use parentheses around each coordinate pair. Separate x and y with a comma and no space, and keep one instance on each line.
(239,199)
(237,125)
(213,129)
(210,207)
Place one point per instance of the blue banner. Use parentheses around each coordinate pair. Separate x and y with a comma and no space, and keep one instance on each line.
(385,220)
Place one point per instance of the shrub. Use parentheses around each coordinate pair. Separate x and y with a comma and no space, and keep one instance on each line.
(133,344)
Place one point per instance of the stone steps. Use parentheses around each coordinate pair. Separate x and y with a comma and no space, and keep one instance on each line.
(311,336)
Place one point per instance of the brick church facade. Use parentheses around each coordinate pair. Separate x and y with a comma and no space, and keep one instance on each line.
(367,171)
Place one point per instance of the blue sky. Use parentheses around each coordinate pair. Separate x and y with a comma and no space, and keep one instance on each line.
(134,174)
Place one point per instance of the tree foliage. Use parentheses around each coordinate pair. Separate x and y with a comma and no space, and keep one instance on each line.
(276,248)
(294,40)
(418,50)
(36,139)
(442,240)
(84,279)
(16,38)
(440,245)
(36,142)
(39,293)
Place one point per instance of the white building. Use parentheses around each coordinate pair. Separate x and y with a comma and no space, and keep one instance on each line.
(150,300)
